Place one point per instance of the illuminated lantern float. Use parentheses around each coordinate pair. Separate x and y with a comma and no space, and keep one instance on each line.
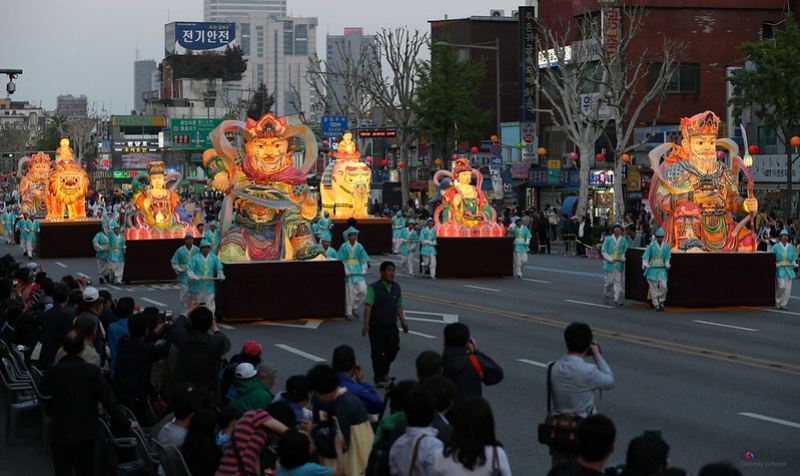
(344,190)
(466,225)
(267,246)
(55,193)
(707,222)
(157,226)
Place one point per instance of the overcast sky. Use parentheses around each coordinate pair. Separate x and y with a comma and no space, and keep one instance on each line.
(88,46)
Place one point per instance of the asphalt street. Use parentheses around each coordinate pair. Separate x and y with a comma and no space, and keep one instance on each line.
(716,382)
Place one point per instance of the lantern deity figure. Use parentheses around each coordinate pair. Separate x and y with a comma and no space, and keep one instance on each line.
(64,151)
(67,188)
(464,211)
(155,205)
(33,185)
(696,196)
(268,206)
(346,182)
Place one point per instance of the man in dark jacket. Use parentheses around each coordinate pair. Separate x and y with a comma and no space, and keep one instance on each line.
(76,388)
(200,347)
(55,324)
(383,307)
(465,366)
(135,357)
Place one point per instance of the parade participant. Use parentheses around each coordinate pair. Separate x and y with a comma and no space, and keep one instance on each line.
(355,259)
(655,263)
(785,262)
(103,221)
(180,261)
(22,227)
(324,227)
(614,248)
(213,236)
(427,238)
(101,247)
(33,228)
(203,270)
(8,225)
(330,251)
(408,248)
(383,307)
(398,225)
(116,255)
(522,239)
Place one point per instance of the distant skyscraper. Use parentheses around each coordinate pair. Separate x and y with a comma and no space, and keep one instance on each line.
(225,10)
(72,106)
(340,48)
(142,81)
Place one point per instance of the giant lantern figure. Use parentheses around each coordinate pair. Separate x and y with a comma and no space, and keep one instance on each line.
(156,205)
(68,186)
(346,182)
(33,184)
(696,197)
(464,211)
(268,207)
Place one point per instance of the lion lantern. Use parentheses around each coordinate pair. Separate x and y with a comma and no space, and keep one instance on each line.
(268,207)
(67,190)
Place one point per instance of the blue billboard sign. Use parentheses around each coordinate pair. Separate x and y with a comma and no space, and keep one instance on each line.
(205,35)
(333,126)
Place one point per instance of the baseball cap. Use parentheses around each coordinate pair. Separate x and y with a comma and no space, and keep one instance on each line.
(245,371)
(90,294)
(252,347)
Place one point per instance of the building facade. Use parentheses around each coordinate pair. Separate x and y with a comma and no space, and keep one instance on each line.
(72,106)
(143,75)
(352,45)
(225,10)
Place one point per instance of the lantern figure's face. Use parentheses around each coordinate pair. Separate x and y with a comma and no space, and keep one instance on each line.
(465,178)
(268,155)
(39,171)
(702,146)
(157,181)
(69,183)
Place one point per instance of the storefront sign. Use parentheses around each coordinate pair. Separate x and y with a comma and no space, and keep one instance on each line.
(135,146)
(205,35)
(529,62)
(519,170)
(646,178)
(553,171)
(612,29)
(377,133)
(138,121)
(633,181)
(772,169)
(601,178)
(138,160)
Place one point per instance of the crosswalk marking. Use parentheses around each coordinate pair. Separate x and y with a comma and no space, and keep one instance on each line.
(299,352)
(532,362)
(727,326)
(584,303)
(771,419)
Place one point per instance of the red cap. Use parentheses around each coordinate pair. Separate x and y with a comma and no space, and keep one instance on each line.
(251,347)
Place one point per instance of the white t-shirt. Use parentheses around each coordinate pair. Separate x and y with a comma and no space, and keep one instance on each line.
(449,467)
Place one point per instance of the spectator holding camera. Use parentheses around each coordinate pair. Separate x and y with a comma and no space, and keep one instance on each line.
(464,365)
(595,436)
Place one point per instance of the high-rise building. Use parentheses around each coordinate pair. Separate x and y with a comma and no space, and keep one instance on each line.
(72,106)
(352,46)
(143,73)
(226,10)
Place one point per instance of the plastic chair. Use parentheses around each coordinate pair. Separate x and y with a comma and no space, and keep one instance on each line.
(19,397)
(171,459)
(36,379)
(133,467)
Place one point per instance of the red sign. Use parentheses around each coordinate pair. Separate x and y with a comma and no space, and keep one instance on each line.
(612,29)
(646,178)
(377,133)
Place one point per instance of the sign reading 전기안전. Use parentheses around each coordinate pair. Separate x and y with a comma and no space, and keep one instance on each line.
(204,35)
(192,133)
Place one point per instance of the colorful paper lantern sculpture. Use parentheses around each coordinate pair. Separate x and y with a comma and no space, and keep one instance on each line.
(272,203)
(156,214)
(697,213)
(68,186)
(600,157)
(795,141)
(464,211)
(542,151)
(345,183)
(34,183)
(473,150)
(754,149)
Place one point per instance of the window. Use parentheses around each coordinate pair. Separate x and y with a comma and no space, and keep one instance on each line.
(288,42)
(301,31)
(288,25)
(685,79)
(767,140)
(767,31)
(245,29)
(301,47)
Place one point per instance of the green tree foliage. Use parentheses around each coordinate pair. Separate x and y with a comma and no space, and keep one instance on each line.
(261,103)
(769,84)
(446,90)
(55,129)
(208,65)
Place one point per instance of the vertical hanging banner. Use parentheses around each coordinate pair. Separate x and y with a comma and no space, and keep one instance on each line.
(529,68)
(612,29)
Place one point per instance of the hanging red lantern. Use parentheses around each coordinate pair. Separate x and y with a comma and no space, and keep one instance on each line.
(573,156)
(325,143)
(368,159)
(401,165)
(626,158)
(384,162)
(795,141)
(542,151)
(493,138)
(455,157)
(600,157)
(438,162)
(473,150)
(754,149)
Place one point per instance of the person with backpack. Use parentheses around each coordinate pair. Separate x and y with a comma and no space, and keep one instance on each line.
(464,365)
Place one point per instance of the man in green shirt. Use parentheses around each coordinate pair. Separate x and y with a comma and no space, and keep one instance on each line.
(383,306)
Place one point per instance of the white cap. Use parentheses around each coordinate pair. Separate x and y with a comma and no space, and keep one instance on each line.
(90,294)
(245,371)
(33,265)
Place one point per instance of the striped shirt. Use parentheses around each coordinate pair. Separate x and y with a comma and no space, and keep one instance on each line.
(248,438)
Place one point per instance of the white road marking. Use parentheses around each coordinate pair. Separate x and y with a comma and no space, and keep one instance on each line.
(299,352)
(61,264)
(309,324)
(420,334)
(778,311)
(540,281)
(153,301)
(446,318)
(482,288)
(225,326)
(771,420)
(116,288)
(532,362)
(605,306)
(748,329)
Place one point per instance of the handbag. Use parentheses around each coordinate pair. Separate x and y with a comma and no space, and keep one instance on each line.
(559,432)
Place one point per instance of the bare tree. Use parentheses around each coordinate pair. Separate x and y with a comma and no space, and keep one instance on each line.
(399,50)
(81,132)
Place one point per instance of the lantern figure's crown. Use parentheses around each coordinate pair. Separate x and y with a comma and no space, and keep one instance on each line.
(268,126)
(705,123)
(156,167)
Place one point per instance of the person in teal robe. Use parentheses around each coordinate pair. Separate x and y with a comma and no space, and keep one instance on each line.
(785,264)
(330,251)
(398,225)
(8,225)
(655,262)
(409,248)
(522,240)
(22,227)
(427,239)
(204,271)
(613,252)
(101,246)
(32,227)
(325,225)
(213,236)
(116,253)
(180,262)
(355,259)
